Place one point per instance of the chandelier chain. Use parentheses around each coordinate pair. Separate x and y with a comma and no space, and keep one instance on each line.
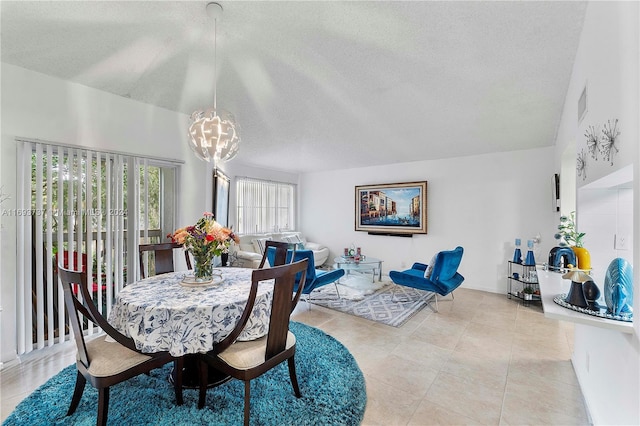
(215,64)
(214,135)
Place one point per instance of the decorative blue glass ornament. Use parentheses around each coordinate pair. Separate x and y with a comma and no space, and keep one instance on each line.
(530,260)
(618,288)
(517,255)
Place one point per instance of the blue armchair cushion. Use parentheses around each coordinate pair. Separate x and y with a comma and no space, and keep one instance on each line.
(315,278)
(444,278)
(446,265)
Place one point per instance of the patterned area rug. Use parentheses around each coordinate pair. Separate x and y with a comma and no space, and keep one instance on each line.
(382,302)
(332,385)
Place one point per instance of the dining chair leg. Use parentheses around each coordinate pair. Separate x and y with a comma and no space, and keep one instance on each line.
(247,397)
(178,365)
(293,377)
(77,393)
(203,369)
(103,406)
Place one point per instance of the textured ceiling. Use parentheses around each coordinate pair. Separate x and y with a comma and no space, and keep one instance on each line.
(322,85)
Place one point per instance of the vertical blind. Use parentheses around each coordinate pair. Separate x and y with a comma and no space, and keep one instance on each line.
(265,206)
(75,208)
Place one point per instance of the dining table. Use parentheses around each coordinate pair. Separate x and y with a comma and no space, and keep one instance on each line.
(171,312)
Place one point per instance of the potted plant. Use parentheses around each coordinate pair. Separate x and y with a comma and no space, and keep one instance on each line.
(568,235)
(528,292)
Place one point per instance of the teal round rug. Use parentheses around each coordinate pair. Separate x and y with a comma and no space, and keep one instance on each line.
(332,386)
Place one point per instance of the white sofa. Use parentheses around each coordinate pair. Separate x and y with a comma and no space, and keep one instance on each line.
(248,253)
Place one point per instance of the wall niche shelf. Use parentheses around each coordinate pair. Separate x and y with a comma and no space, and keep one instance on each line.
(552,284)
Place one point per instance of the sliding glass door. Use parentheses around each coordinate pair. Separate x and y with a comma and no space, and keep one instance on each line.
(78,209)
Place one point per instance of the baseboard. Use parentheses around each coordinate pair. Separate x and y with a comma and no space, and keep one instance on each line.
(584,400)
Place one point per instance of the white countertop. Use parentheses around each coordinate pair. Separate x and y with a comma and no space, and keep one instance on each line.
(551,285)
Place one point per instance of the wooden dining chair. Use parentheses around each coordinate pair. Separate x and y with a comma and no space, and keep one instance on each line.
(280,257)
(100,361)
(163,255)
(247,360)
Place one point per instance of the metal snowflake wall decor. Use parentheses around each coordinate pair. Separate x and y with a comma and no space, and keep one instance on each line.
(581,164)
(607,145)
(592,141)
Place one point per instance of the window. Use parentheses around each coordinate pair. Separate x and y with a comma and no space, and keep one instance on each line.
(265,206)
(76,207)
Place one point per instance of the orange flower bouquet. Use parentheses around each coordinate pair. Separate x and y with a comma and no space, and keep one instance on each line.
(204,240)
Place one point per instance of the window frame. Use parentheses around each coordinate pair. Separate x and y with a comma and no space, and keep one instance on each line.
(265,213)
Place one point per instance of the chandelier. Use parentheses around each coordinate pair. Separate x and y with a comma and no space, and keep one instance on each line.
(214,133)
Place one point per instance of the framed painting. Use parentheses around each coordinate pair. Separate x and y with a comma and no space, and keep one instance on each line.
(392,208)
(221,185)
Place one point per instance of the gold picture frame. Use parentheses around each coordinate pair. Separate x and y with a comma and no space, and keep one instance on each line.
(392,208)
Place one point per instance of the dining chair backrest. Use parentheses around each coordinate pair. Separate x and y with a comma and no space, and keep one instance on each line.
(84,305)
(72,259)
(244,360)
(295,256)
(101,362)
(283,303)
(313,278)
(163,255)
(275,259)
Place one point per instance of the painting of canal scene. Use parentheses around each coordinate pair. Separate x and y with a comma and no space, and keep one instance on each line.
(394,208)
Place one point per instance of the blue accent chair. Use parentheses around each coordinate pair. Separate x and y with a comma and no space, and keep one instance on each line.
(315,277)
(444,277)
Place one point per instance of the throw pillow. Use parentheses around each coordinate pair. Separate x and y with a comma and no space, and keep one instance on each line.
(258,245)
(295,239)
(429,270)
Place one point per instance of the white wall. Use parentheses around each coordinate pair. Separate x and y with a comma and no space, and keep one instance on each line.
(37,106)
(481,203)
(607,63)
(605,213)
(614,361)
(607,363)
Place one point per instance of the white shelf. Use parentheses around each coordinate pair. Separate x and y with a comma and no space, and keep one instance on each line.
(551,285)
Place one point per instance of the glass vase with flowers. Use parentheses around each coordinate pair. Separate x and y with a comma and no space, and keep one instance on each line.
(204,240)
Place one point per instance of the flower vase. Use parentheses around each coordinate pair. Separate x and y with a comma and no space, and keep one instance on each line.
(203,270)
(583,258)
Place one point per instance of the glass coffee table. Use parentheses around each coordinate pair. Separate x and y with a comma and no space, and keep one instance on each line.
(364,265)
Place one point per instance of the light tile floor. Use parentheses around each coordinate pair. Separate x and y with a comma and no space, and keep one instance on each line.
(483,359)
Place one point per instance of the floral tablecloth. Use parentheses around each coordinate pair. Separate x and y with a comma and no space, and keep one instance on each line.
(162,315)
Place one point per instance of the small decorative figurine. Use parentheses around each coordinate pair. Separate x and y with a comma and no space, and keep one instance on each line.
(576,294)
